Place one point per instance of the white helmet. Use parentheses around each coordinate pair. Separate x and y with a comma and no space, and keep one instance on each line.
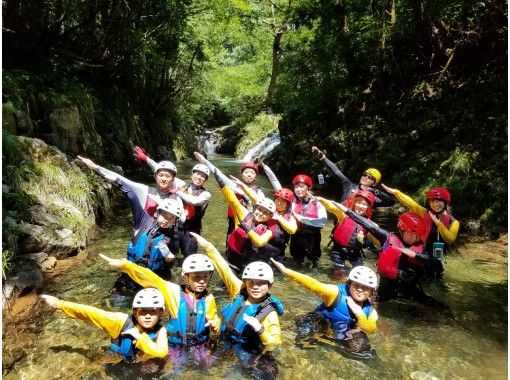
(201,168)
(171,206)
(364,276)
(197,263)
(165,165)
(258,270)
(268,204)
(149,298)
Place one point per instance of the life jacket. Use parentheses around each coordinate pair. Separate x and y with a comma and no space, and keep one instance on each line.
(338,314)
(153,197)
(308,209)
(194,214)
(235,328)
(143,250)
(243,201)
(238,238)
(389,260)
(188,328)
(346,234)
(281,237)
(431,231)
(125,345)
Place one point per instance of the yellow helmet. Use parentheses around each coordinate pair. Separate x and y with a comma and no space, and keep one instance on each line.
(374,173)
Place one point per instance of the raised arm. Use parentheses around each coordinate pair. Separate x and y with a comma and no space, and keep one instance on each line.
(272,177)
(333,208)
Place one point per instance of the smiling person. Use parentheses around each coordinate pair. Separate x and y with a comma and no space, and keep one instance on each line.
(137,337)
(345,307)
(441,228)
(251,324)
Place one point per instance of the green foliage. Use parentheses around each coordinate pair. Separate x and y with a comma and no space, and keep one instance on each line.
(6,263)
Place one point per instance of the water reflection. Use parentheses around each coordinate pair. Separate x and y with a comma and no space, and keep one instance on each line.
(413,341)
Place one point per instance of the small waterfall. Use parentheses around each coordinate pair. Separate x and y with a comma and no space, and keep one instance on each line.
(208,141)
(263,148)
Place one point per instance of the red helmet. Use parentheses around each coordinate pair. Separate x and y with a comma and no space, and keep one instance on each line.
(368,195)
(303,178)
(439,193)
(285,194)
(250,165)
(412,222)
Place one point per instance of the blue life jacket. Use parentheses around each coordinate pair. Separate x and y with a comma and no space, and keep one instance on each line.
(235,328)
(142,249)
(188,328)
(124,345)
(339,315)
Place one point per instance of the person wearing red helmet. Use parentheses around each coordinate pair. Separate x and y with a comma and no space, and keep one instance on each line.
(348,236)
(441,228)
(312,217)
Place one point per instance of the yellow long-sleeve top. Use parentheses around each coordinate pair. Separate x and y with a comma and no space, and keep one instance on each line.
(329,293)
(240,212)
(171,291)
(272,335)
(112,323)
(449,234)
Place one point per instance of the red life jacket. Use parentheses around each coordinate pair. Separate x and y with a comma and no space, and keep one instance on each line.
(389,258)
(190,209)
(446,219)
(309,209)
(238,237)
(345,233)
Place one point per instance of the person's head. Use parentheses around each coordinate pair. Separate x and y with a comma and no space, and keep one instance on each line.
(370,177)
(258,278)
(412,228)
(197,270)
(437,199)
(302,185)
(263,210)
(282,199)
(199,174)
(168,211)
(362,283)
(148,304)
(363,201)
(249,172)
(165,173)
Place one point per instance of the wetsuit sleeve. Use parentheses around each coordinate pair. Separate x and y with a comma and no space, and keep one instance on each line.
(379,233)
(327,292)
(382,199)
(148,279)
(109,322)
(211,313)
(229,195)
(156,349)
(449,234)
(252,195)
(320,221)
(367,324)
(272,177)
(153,164)
(195,200)
(232,283)
(410,203)
(136,208)
(272,335)
(288,225)
(335,210)
(346,183)
(260,240)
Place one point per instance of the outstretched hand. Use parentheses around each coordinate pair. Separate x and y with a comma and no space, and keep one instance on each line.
(318,153)
(52,301)
(140,154)
(236,180)
(407,252)
(133,332)
(355,308)
(278,265)
(434,217)
(341,206)
(389,190)
(200,158)
(201,241)
(253,322)
(116,263)
(88,162)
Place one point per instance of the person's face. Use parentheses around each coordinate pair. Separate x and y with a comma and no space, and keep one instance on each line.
(360,205)
(359,292)
(147,317)
(410,238)
(437,205)
(198,178)
(261,215)
(164,179)
(281,204)
(257,289)
(165,219)
(367,180)
(301,190)
(248,175)
(197,281)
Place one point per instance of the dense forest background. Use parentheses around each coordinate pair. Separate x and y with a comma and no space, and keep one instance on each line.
(417,88)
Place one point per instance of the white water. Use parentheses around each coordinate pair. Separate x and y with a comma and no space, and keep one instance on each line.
(263,148)
(208,142)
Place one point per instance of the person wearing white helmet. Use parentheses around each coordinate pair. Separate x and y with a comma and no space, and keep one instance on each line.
(193,316)
(137,337)
(251,324)
(345,307)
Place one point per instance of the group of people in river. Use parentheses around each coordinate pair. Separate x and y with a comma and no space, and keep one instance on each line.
(167,220)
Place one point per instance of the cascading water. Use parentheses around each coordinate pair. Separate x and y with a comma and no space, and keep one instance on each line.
(208,142)
(263,148)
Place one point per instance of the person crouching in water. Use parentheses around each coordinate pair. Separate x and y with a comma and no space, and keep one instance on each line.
(193,321)
(137,337)
(348,236)
(345,307)
(250,322)
(312,217)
